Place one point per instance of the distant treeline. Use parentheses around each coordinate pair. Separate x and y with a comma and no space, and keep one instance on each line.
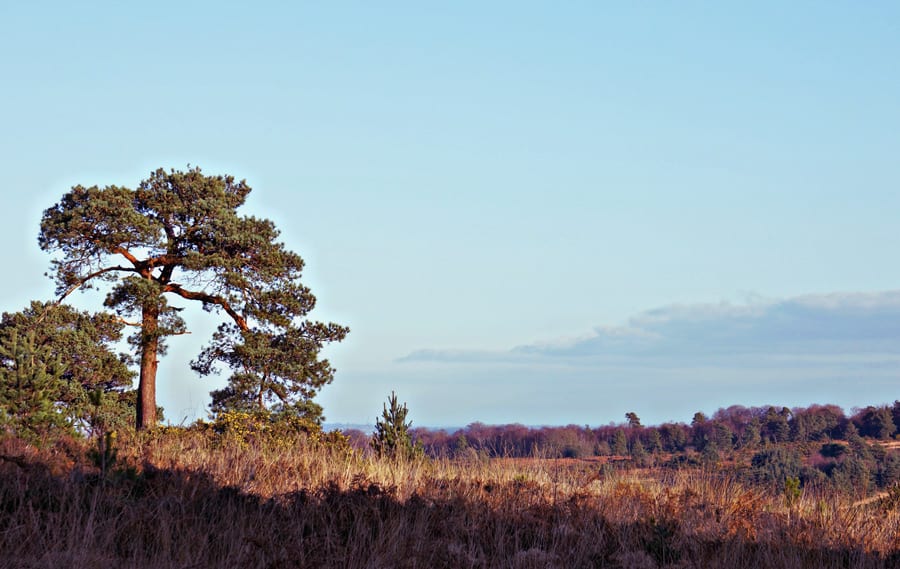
(734,428)
(774,446)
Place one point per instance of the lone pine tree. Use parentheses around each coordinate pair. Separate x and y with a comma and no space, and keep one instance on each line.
(179,235)
(391,437)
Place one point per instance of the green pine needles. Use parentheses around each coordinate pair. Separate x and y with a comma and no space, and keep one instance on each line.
(52,359)
(31,384)
(391,438)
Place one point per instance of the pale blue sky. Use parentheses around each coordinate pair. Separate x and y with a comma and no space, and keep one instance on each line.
(488,192)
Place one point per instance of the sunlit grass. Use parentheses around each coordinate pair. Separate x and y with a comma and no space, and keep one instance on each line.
(185,499)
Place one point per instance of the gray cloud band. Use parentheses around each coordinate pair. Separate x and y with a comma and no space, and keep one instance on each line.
(839,328)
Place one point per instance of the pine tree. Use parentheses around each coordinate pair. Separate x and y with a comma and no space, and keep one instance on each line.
(52,358)
(620,443)
(391,438)
(30,384)
(776,427)
(179,235)
(751,437)
(710,454)
(654,441)
(638,453)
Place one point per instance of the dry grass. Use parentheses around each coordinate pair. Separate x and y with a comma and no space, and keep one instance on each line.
(191,503)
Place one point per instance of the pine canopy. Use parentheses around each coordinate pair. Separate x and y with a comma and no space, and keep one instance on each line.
(179,235)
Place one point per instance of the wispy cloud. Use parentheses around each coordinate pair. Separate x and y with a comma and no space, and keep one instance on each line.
(855,327)
(456,356)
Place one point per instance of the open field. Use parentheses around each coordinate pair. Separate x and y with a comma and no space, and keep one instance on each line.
(189,501)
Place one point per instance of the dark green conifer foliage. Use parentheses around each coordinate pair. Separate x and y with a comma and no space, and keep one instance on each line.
(710,454)
(460,445)
(775,465)
(888,472)
(391,437)
(620,443)
(265,367)
(833,450)
(637,450)
(852,474)
(751,437)
(876,422)
(776,426)
(722,436)
(895,415)
(654,441)
(792,491)
(858,445)
(30,385)
(179,235)
(51,359)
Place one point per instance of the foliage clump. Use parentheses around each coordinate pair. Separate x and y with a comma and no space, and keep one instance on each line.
(258,429)
(245,428)
(59,374)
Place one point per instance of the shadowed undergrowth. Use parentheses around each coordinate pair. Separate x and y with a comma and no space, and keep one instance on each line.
(185,502)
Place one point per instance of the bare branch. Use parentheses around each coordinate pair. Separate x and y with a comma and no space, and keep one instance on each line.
(95,274)
(127,254)
(209,299)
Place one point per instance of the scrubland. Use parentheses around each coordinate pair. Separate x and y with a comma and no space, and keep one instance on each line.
(180,498)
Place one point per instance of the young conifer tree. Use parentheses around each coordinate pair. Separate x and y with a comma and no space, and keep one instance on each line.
(30,384)
(391,437)
(52,357)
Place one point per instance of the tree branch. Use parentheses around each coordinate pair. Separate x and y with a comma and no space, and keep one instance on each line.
(209,299)
(166,261)
(127,254)
(95,274)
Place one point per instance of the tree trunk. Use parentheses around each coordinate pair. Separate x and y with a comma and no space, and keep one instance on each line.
(146,396)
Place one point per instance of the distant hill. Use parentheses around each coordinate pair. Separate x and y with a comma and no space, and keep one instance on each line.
(344,426)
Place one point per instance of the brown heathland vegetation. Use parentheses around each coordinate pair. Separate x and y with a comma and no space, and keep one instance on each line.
(186,499)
